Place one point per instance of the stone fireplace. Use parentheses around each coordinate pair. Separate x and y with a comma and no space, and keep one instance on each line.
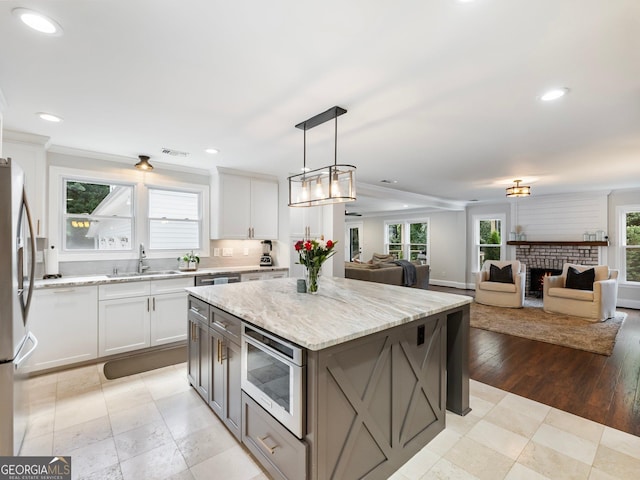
(551,256)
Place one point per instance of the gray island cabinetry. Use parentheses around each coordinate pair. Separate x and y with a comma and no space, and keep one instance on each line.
(375,366)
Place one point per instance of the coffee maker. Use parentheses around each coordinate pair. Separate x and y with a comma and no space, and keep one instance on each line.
(266,260)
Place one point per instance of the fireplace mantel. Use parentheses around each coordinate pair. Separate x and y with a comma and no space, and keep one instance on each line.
(559,243)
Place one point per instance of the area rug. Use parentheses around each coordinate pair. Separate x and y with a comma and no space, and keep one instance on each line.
(143,362)
(534,323)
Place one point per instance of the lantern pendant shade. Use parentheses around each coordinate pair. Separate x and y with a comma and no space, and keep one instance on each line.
(327,185)
(518,190)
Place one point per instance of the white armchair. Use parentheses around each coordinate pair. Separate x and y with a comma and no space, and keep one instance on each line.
(596,305)
(501,294)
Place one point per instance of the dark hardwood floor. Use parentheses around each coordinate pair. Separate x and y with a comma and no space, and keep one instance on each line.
(600,388)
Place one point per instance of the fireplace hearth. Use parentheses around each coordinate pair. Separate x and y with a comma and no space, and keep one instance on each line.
(536,282)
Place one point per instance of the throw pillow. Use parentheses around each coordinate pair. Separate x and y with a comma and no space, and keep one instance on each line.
(501,275)
(580,280)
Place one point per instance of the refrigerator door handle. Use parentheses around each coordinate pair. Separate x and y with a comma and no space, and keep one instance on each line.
(32,267)
(21,358)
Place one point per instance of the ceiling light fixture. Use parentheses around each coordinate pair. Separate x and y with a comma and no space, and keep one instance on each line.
(37,21)
(518,190)
(326,185)
(49,117)
(144,164)
(554,94)
(212,151)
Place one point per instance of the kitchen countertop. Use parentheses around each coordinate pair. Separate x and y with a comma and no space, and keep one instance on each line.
(103,279)
(343,309)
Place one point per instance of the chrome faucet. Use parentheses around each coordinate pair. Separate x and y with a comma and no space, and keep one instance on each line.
(141,256)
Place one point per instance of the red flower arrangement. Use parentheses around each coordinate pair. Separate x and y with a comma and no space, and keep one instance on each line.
(312,254)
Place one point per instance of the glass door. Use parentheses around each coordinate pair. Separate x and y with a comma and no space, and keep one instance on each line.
(353,243)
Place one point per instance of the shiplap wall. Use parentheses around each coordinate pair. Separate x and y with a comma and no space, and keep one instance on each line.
(560,217)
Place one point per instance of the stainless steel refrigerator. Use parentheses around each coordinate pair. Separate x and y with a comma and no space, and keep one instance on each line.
(17,260)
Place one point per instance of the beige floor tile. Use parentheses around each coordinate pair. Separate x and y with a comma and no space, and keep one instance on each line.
(179,402)
(479,406)
(37,446)
(444,441)
(600,475)
(579,426)
(205,443)
(81,435)
(397,476)
(134,417)
(260,476)
(513,421)
(93,458)
(460,424)
(80,408)
(157,464)
(499,439)
(525,406)
(135,393)
(142,439)
(183,423)
(112,472)
(183,475)
(616,463)
(482,462)
(165,387)
(40,423)
(233,464)
(520,472)
(566,443)
(552,464)
(445,470)
(621,441)
(486,392)
(419,464)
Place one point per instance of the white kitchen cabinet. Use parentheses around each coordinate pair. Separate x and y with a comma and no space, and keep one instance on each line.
(65,322)
(243,207)
(29,152)
(136,315)
(305,222)
(248,277)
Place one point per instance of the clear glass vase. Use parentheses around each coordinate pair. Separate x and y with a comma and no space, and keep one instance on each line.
(312,276)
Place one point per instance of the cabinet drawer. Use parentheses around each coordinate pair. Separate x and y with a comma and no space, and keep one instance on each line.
(226,324)
(171,285)
(198,310)
(123,290)
(279,451)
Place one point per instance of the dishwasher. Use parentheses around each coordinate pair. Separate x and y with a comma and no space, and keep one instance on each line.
(217,279)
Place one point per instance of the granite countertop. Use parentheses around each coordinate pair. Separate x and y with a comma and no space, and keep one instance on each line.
(343,309)
(103,279)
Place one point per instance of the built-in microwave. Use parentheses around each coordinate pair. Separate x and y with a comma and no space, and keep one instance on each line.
(273,374)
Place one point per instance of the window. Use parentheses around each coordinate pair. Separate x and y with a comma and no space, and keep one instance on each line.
(488,235)
(97,216)
(407,240)
(174,220)
(630,243)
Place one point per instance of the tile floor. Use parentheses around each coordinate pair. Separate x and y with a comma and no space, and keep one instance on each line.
(154,426)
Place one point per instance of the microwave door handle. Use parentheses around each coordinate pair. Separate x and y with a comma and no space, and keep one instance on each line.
(32,266)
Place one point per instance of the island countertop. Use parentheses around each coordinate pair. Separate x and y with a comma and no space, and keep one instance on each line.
(343,309)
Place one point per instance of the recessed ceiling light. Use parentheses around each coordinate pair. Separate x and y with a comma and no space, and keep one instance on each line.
(554,94)
(212,151)
(49,117)
(405,206)
(305,169)
(38,21)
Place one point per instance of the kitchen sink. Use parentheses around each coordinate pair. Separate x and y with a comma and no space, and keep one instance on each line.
(143,274)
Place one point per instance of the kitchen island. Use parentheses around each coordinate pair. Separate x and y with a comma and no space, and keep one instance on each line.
(381,362)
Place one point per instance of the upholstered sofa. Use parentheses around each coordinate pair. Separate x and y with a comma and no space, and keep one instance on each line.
(596,304)
(388,273)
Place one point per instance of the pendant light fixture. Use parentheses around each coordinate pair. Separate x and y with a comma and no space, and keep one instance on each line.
(518,190)
(323,186)
(144,164)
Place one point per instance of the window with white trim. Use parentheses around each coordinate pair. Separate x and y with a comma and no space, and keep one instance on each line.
(407,240)
(175,219)
(488,239)
(97,216)
(629,242)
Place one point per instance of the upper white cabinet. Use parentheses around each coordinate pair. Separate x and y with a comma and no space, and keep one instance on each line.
(305,222)
(243,207)
(29,152)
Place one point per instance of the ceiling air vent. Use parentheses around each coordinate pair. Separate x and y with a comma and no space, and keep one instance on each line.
(174,153)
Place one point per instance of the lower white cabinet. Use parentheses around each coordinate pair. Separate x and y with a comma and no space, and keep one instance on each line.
(136,315)
(65,322)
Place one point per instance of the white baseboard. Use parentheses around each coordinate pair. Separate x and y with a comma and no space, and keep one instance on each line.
(448,283)
(628,303)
